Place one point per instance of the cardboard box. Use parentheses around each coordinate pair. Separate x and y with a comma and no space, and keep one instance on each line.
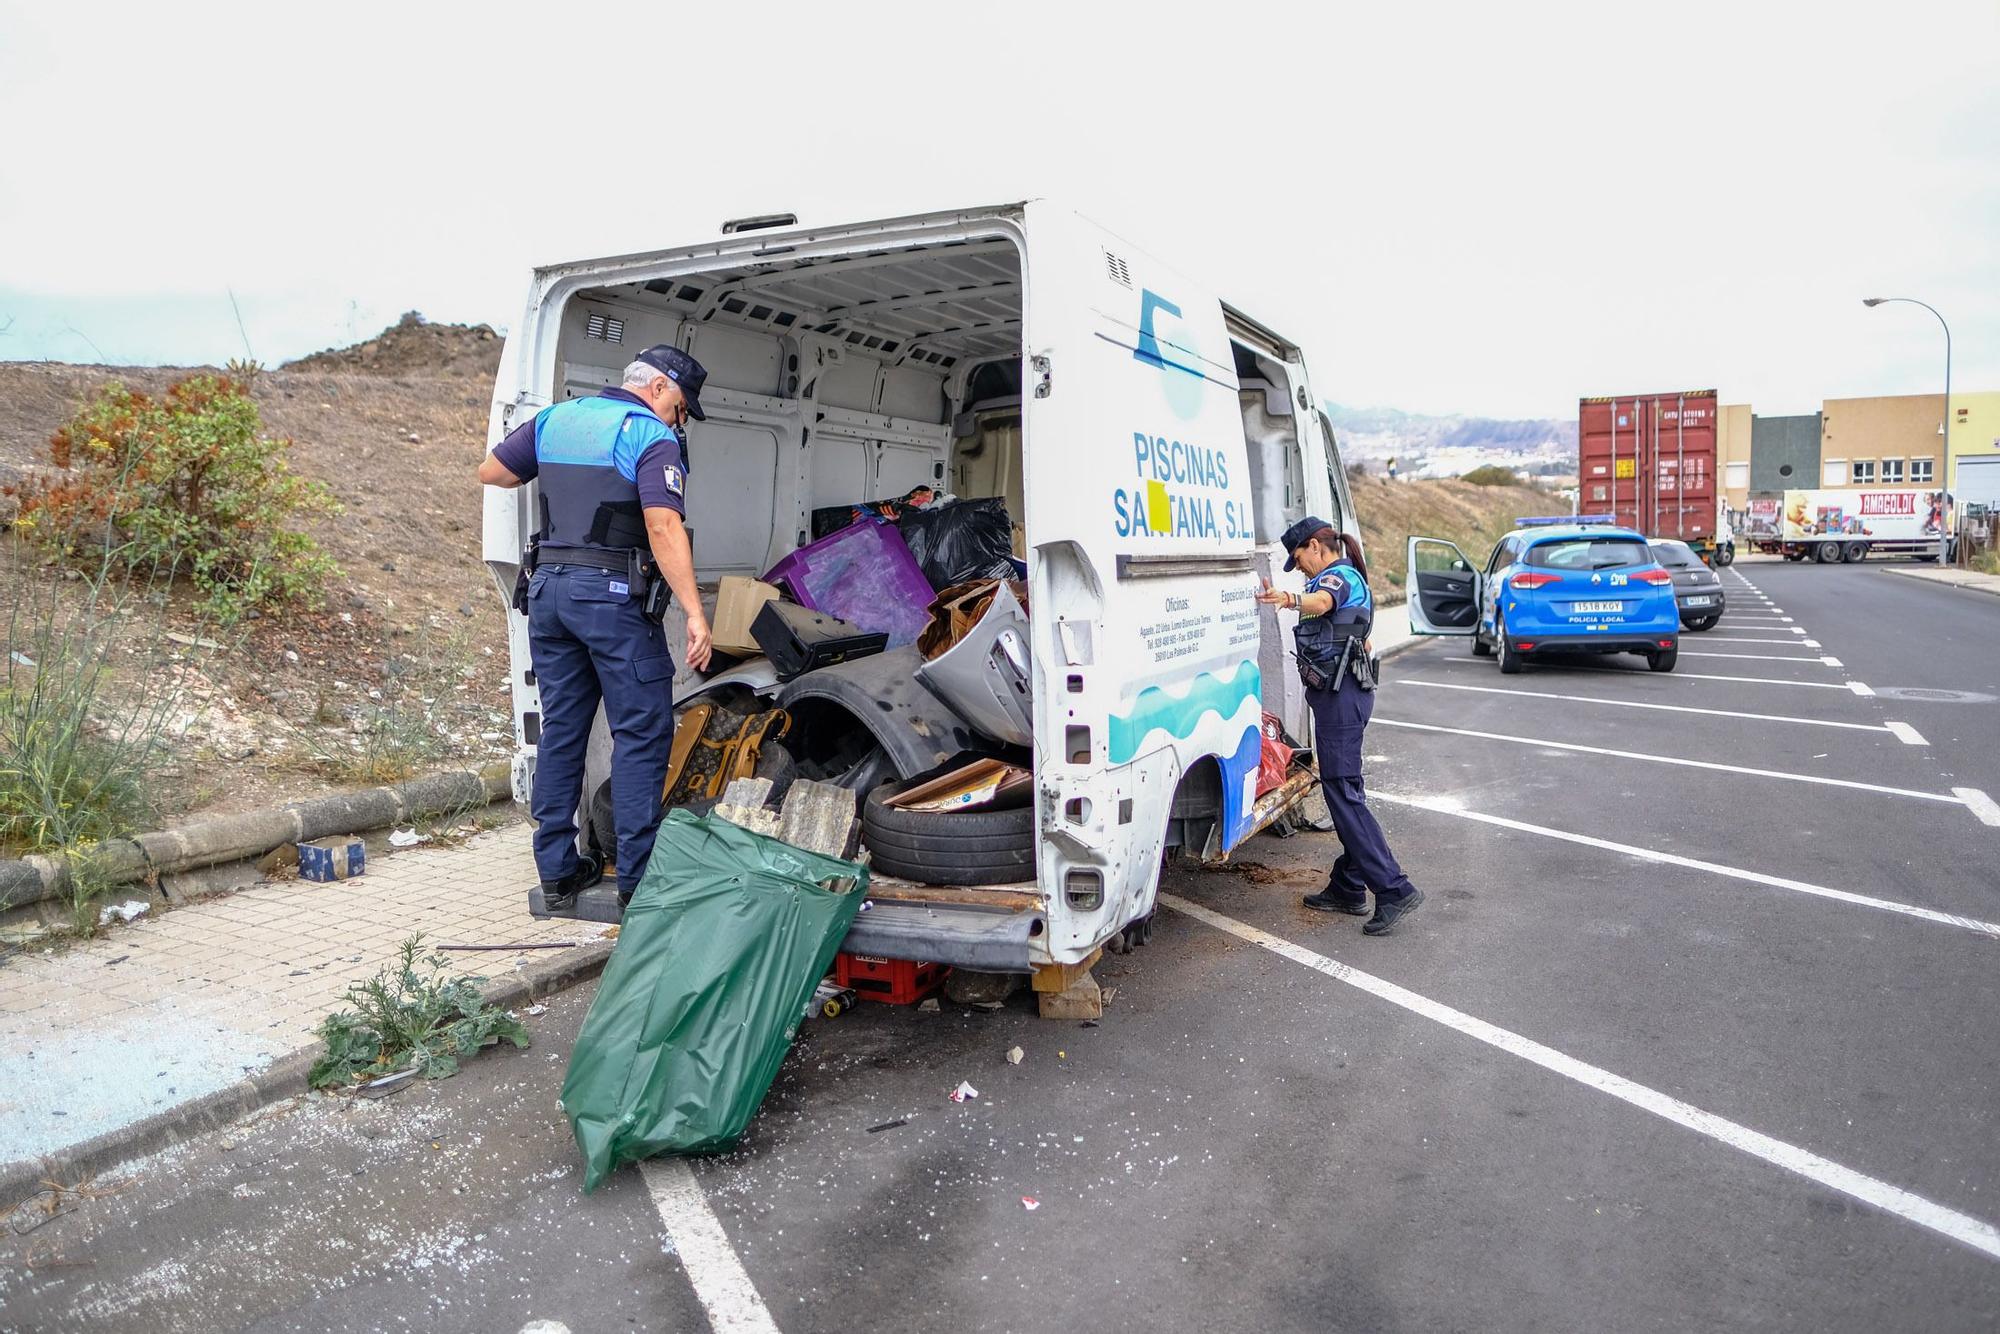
(737,601)
(329,859)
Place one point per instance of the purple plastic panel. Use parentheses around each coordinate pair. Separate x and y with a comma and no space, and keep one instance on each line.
(865,575)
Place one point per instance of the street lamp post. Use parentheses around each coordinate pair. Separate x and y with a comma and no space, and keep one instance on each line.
(1944,538)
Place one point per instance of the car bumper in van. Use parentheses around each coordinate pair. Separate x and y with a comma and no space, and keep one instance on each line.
(999,930)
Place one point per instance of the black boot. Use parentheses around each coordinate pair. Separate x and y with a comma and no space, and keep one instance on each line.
(1388,912)
(1335,899)
(560,895)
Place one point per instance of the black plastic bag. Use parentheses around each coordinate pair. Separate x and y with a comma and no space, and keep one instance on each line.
(967,539)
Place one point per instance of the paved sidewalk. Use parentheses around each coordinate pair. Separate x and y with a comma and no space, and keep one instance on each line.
(1967,579)
(159,1013)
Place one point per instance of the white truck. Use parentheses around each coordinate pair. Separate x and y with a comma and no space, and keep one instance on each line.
(1152,442)
(1831,525)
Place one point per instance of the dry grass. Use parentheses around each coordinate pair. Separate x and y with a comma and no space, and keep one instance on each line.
(1470,515)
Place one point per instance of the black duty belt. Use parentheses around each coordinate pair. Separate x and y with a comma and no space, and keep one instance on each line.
(617,562)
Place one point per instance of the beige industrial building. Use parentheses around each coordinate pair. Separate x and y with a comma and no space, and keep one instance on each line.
(1896,440)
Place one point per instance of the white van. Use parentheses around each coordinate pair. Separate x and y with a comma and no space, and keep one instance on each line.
(1152,443)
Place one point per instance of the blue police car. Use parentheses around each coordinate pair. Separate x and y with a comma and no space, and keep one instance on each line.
(1552,586)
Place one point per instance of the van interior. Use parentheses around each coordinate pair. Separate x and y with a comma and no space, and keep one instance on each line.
(839,380)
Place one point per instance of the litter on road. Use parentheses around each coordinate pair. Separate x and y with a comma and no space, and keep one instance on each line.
(964,1092)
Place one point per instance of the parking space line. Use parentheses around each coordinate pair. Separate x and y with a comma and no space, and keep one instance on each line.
(1447,806)
(1830,661)
(1949,798)
(1962,1228)
(1854,686)
(1982,805)
(1910,736)
(1739,639)
(712,1265)
(1760,657)
(1671,708)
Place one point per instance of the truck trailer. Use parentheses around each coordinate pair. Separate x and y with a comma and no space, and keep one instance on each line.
(1825,526)
(1648,461)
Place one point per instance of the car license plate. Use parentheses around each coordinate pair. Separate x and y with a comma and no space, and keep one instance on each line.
(1701,602)
(1597,608)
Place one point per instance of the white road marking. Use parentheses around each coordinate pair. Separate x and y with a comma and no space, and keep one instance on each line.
(712,1265)
(1760,657)
(1982,805)
(1831,662)
(1446,806)
(1759,616)
(1798,629)
(1910,736)
(1962,1228)
(1669,708)
(1947,797)
(1860,689)
(1812,643)
(1740,639)
(1680,676)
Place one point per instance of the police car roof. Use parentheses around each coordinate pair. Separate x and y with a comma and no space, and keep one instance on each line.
(1567,531)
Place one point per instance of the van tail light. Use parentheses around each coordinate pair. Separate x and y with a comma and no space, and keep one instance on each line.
(1656,577)
(1528,579)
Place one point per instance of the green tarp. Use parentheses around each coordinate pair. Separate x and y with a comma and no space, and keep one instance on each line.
(725,939)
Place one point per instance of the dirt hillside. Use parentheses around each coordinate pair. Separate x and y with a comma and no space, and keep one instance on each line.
(1472,516)
(397,438)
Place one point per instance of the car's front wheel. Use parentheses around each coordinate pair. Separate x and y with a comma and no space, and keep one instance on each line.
(1480,648)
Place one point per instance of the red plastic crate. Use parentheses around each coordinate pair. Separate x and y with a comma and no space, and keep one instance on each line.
(890,981)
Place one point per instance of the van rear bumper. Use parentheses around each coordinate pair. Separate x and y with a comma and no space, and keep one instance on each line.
(993,931)
(1622,642)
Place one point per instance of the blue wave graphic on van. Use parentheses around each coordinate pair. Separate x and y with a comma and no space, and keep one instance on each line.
(1155,709)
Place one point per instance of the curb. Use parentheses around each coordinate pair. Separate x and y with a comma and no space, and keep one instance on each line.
(283,1078)
(235,838)
(1975,584)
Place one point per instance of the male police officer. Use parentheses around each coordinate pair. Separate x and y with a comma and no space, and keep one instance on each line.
(613,472)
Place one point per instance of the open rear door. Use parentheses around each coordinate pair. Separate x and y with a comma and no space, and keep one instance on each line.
(1444,588)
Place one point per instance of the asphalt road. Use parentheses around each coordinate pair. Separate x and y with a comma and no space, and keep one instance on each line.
(1583,1088)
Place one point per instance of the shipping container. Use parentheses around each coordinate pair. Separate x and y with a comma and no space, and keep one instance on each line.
(1648,460)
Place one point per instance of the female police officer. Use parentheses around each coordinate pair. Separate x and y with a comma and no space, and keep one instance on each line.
(1334,609)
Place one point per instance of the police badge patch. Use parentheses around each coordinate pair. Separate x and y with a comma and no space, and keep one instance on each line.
(673,478)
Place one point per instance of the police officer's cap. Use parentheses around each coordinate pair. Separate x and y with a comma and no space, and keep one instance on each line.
(1298,535)
(683,370)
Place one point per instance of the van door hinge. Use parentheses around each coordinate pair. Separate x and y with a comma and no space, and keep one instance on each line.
(1040,367)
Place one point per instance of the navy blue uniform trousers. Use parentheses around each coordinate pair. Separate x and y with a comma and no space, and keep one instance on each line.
(591,641)
(1365,862)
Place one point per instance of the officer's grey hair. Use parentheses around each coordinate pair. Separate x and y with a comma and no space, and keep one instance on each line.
(640,374)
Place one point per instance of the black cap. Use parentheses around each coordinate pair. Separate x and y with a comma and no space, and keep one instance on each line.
(1297,535)
(683,370)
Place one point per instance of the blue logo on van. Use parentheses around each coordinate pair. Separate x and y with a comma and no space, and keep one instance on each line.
(1177,359)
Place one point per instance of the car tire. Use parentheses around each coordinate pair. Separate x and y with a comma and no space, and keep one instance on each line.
(1854,552)
(1480,648)
(1726,554)
(988,847)
(1510,657)
(1662,659)
(1825,553)
(1700,622)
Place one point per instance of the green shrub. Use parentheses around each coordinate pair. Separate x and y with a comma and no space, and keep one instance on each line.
(403,1019)
(1491,474)
(184,484)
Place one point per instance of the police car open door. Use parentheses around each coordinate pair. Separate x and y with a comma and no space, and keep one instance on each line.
(1444,588)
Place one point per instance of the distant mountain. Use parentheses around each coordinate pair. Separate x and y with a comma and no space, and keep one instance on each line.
(1449,446)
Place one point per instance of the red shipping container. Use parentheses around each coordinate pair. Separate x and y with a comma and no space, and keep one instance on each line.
(890,981)
(1648,460)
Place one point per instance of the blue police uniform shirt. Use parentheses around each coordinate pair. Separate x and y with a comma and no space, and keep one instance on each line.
(648,453)
(1346,586)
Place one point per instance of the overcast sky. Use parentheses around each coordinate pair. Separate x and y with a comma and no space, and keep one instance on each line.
(1482,208)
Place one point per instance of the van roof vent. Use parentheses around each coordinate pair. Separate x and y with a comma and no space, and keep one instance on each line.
(605,328)
(1115,268)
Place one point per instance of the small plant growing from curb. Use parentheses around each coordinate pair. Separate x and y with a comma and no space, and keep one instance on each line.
(409,1016)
